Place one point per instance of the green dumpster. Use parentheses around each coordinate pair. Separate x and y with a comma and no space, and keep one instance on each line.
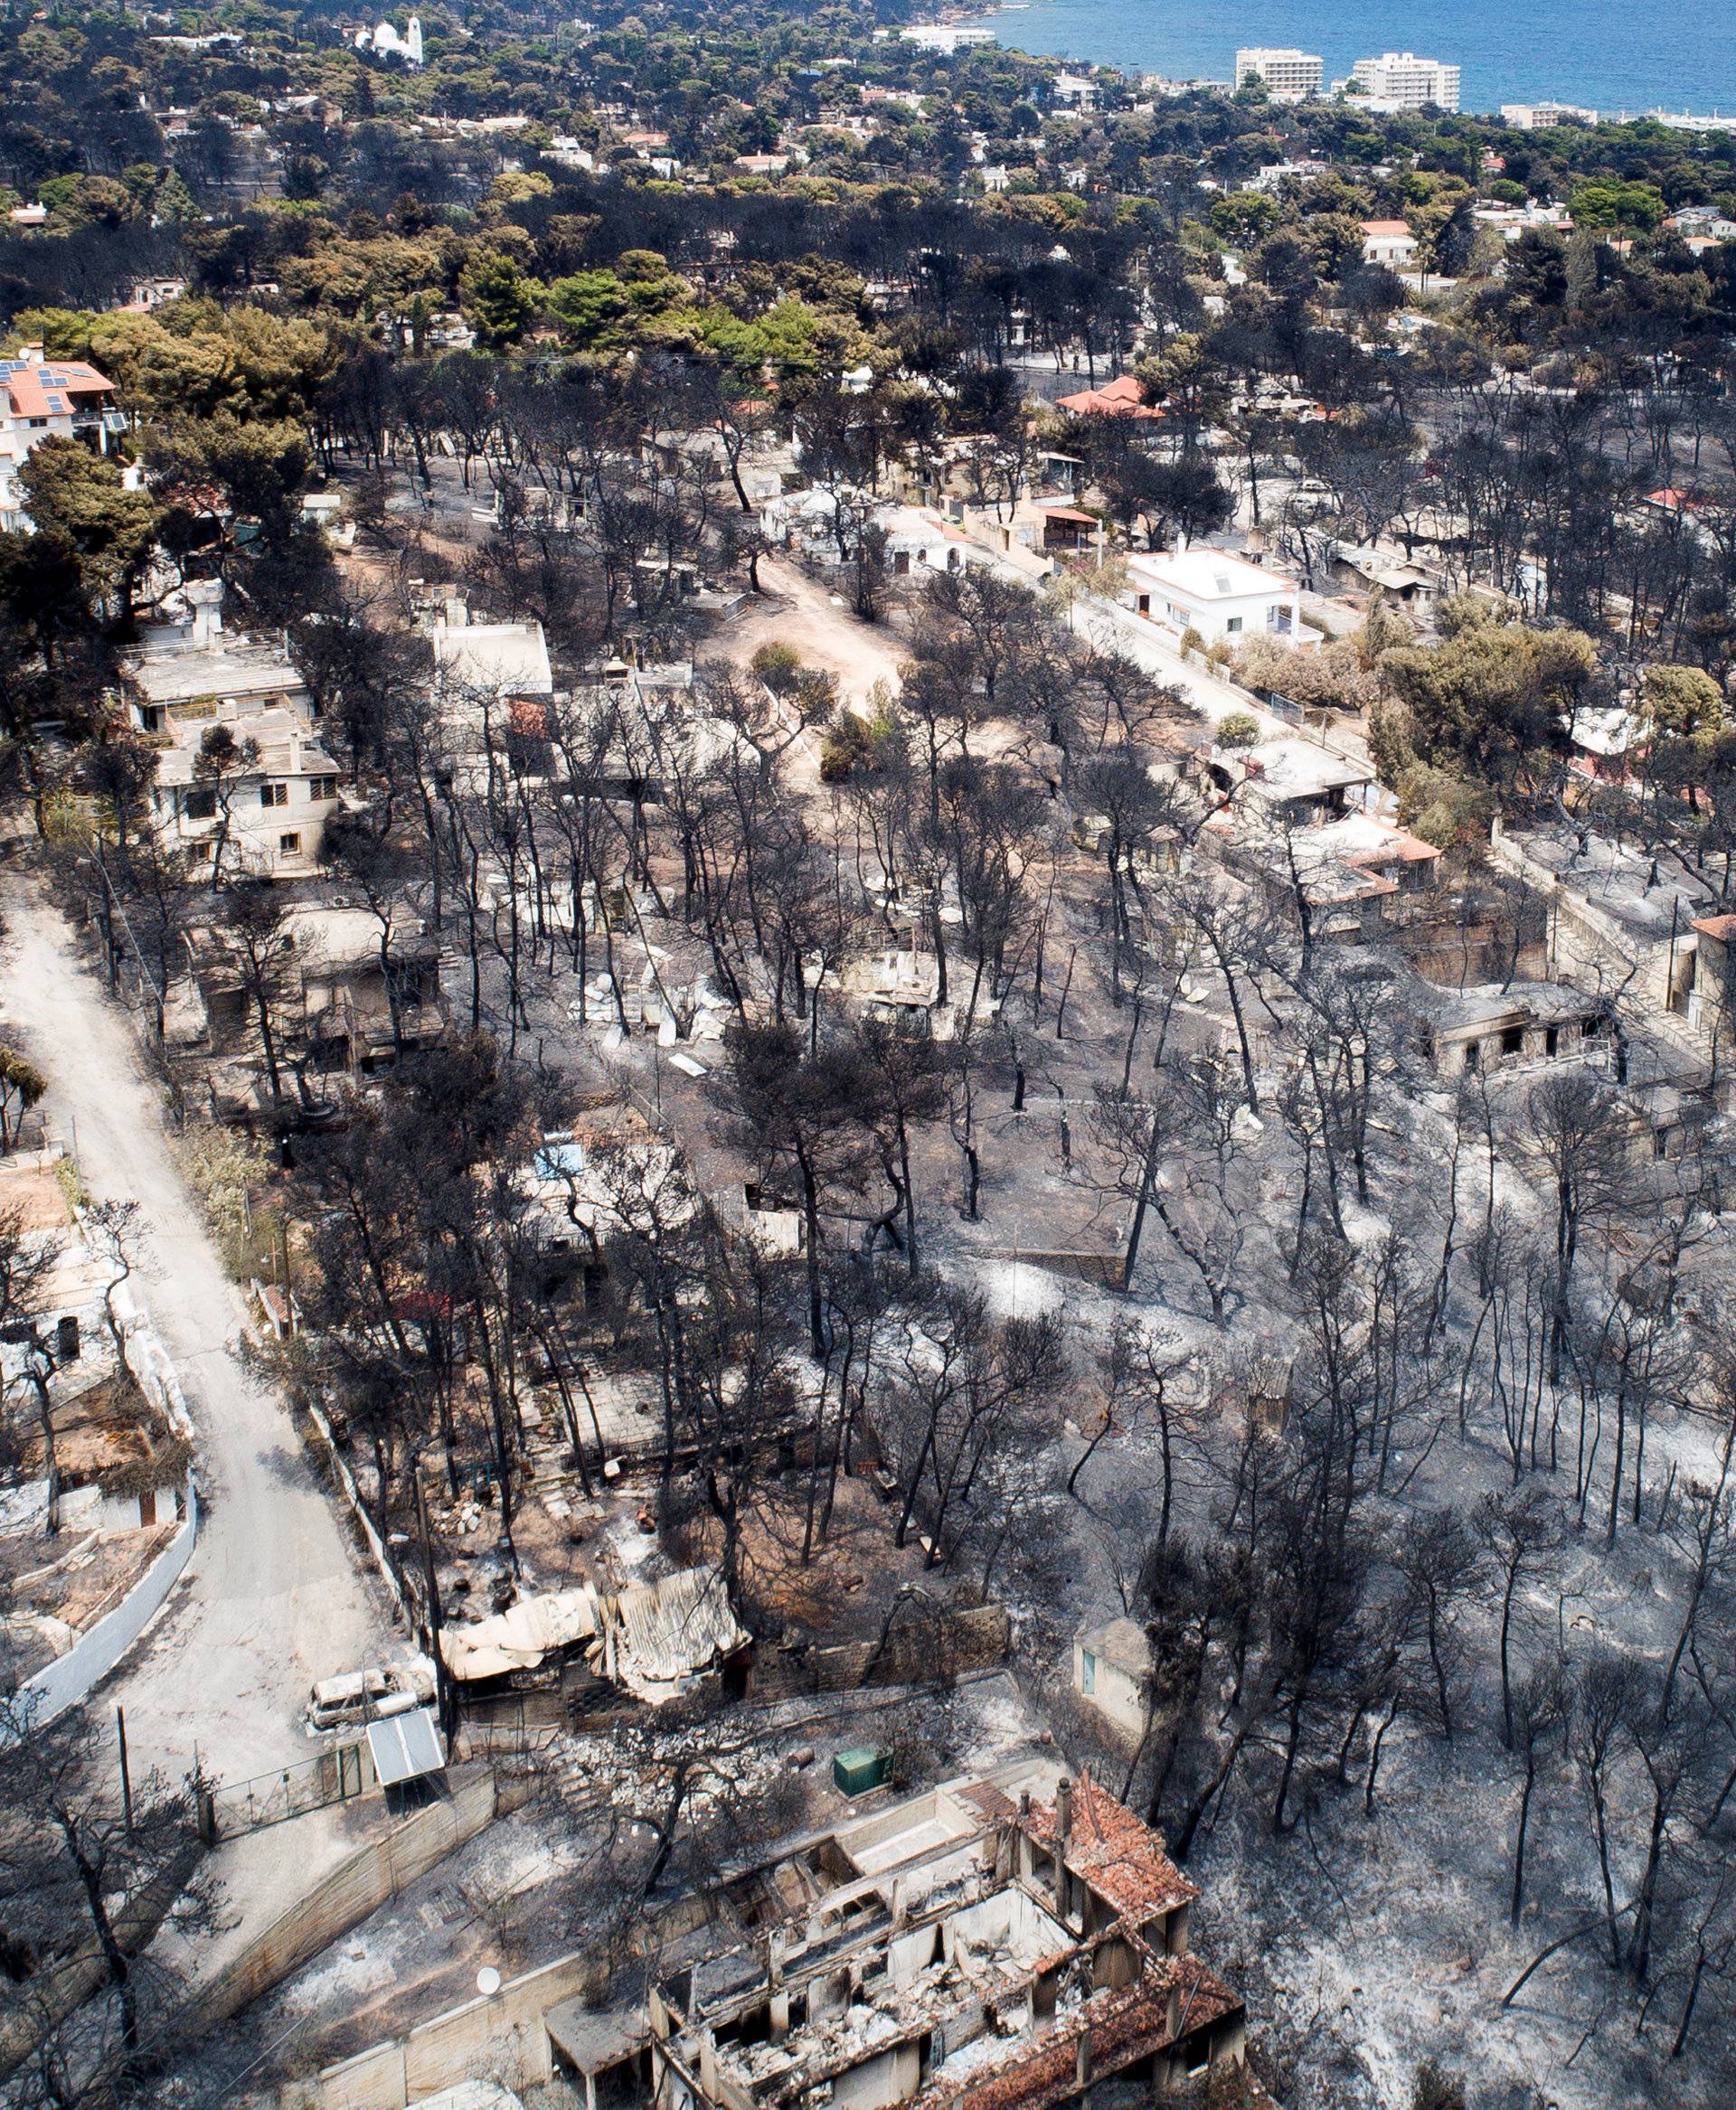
(854,1773)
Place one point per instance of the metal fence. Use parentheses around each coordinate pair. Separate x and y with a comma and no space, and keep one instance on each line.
(334,1776)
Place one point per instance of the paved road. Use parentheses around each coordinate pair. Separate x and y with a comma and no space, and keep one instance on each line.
(273,1599)
(1110,624)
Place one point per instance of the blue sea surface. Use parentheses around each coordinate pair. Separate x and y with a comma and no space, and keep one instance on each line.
(1676,54)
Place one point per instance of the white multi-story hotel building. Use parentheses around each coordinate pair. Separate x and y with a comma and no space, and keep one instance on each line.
(1539,116)
(1401,77)
(1290,76)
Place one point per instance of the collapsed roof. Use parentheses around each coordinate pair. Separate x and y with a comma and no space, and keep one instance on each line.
(650,1640)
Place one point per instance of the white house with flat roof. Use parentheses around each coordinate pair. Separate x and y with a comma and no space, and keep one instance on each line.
(1541,116)
(946,38)
(168,686)
(490,659)
(1223,599)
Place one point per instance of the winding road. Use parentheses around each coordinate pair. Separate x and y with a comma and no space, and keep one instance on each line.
(273,1598)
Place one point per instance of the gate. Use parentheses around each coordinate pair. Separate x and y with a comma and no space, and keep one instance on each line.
(336,1775)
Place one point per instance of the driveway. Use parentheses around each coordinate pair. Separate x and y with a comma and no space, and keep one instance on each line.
(797,611)
(273,1599)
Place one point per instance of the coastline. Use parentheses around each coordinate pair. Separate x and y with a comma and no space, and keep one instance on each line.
(1611,110)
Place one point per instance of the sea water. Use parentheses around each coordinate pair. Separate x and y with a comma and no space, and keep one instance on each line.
(1604,54)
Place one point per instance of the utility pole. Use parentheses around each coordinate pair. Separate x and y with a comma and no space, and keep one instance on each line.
(126,1776)
(288,1293)
(445,1699)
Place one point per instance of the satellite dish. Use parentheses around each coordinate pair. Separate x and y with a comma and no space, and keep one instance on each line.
(488,1981)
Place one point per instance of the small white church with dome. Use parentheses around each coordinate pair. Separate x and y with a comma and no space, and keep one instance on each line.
(386,43)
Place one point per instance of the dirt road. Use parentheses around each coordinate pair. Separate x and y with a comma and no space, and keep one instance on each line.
(798,612)
(272,1599)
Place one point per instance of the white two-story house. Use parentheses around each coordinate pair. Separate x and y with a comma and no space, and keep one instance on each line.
(264,810)
(263,813)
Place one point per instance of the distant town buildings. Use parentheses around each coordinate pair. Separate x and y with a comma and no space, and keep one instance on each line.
(1290,76)
(1539,116)
(946,38)
(386,43)
(1685,121)
(1404,81)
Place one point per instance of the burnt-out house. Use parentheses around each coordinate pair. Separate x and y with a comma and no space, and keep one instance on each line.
(345,993)
(602,1650)
(972,1952)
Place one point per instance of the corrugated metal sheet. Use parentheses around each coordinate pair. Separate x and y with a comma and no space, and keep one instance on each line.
(519,1638)
(670,1631)
(405,1746)
(648,1640)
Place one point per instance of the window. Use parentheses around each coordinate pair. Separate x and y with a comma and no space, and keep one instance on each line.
(290,845)
(320,787)
(1513,1040)
(1087,1671)
(1473,1057)
(1552,1040)
(1233,624)
(274,795)
(201,803)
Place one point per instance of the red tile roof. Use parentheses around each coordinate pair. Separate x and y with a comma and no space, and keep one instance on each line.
(49,390)
(991,1803)
(1123,2027)
(1115,1853)
(1120,398)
